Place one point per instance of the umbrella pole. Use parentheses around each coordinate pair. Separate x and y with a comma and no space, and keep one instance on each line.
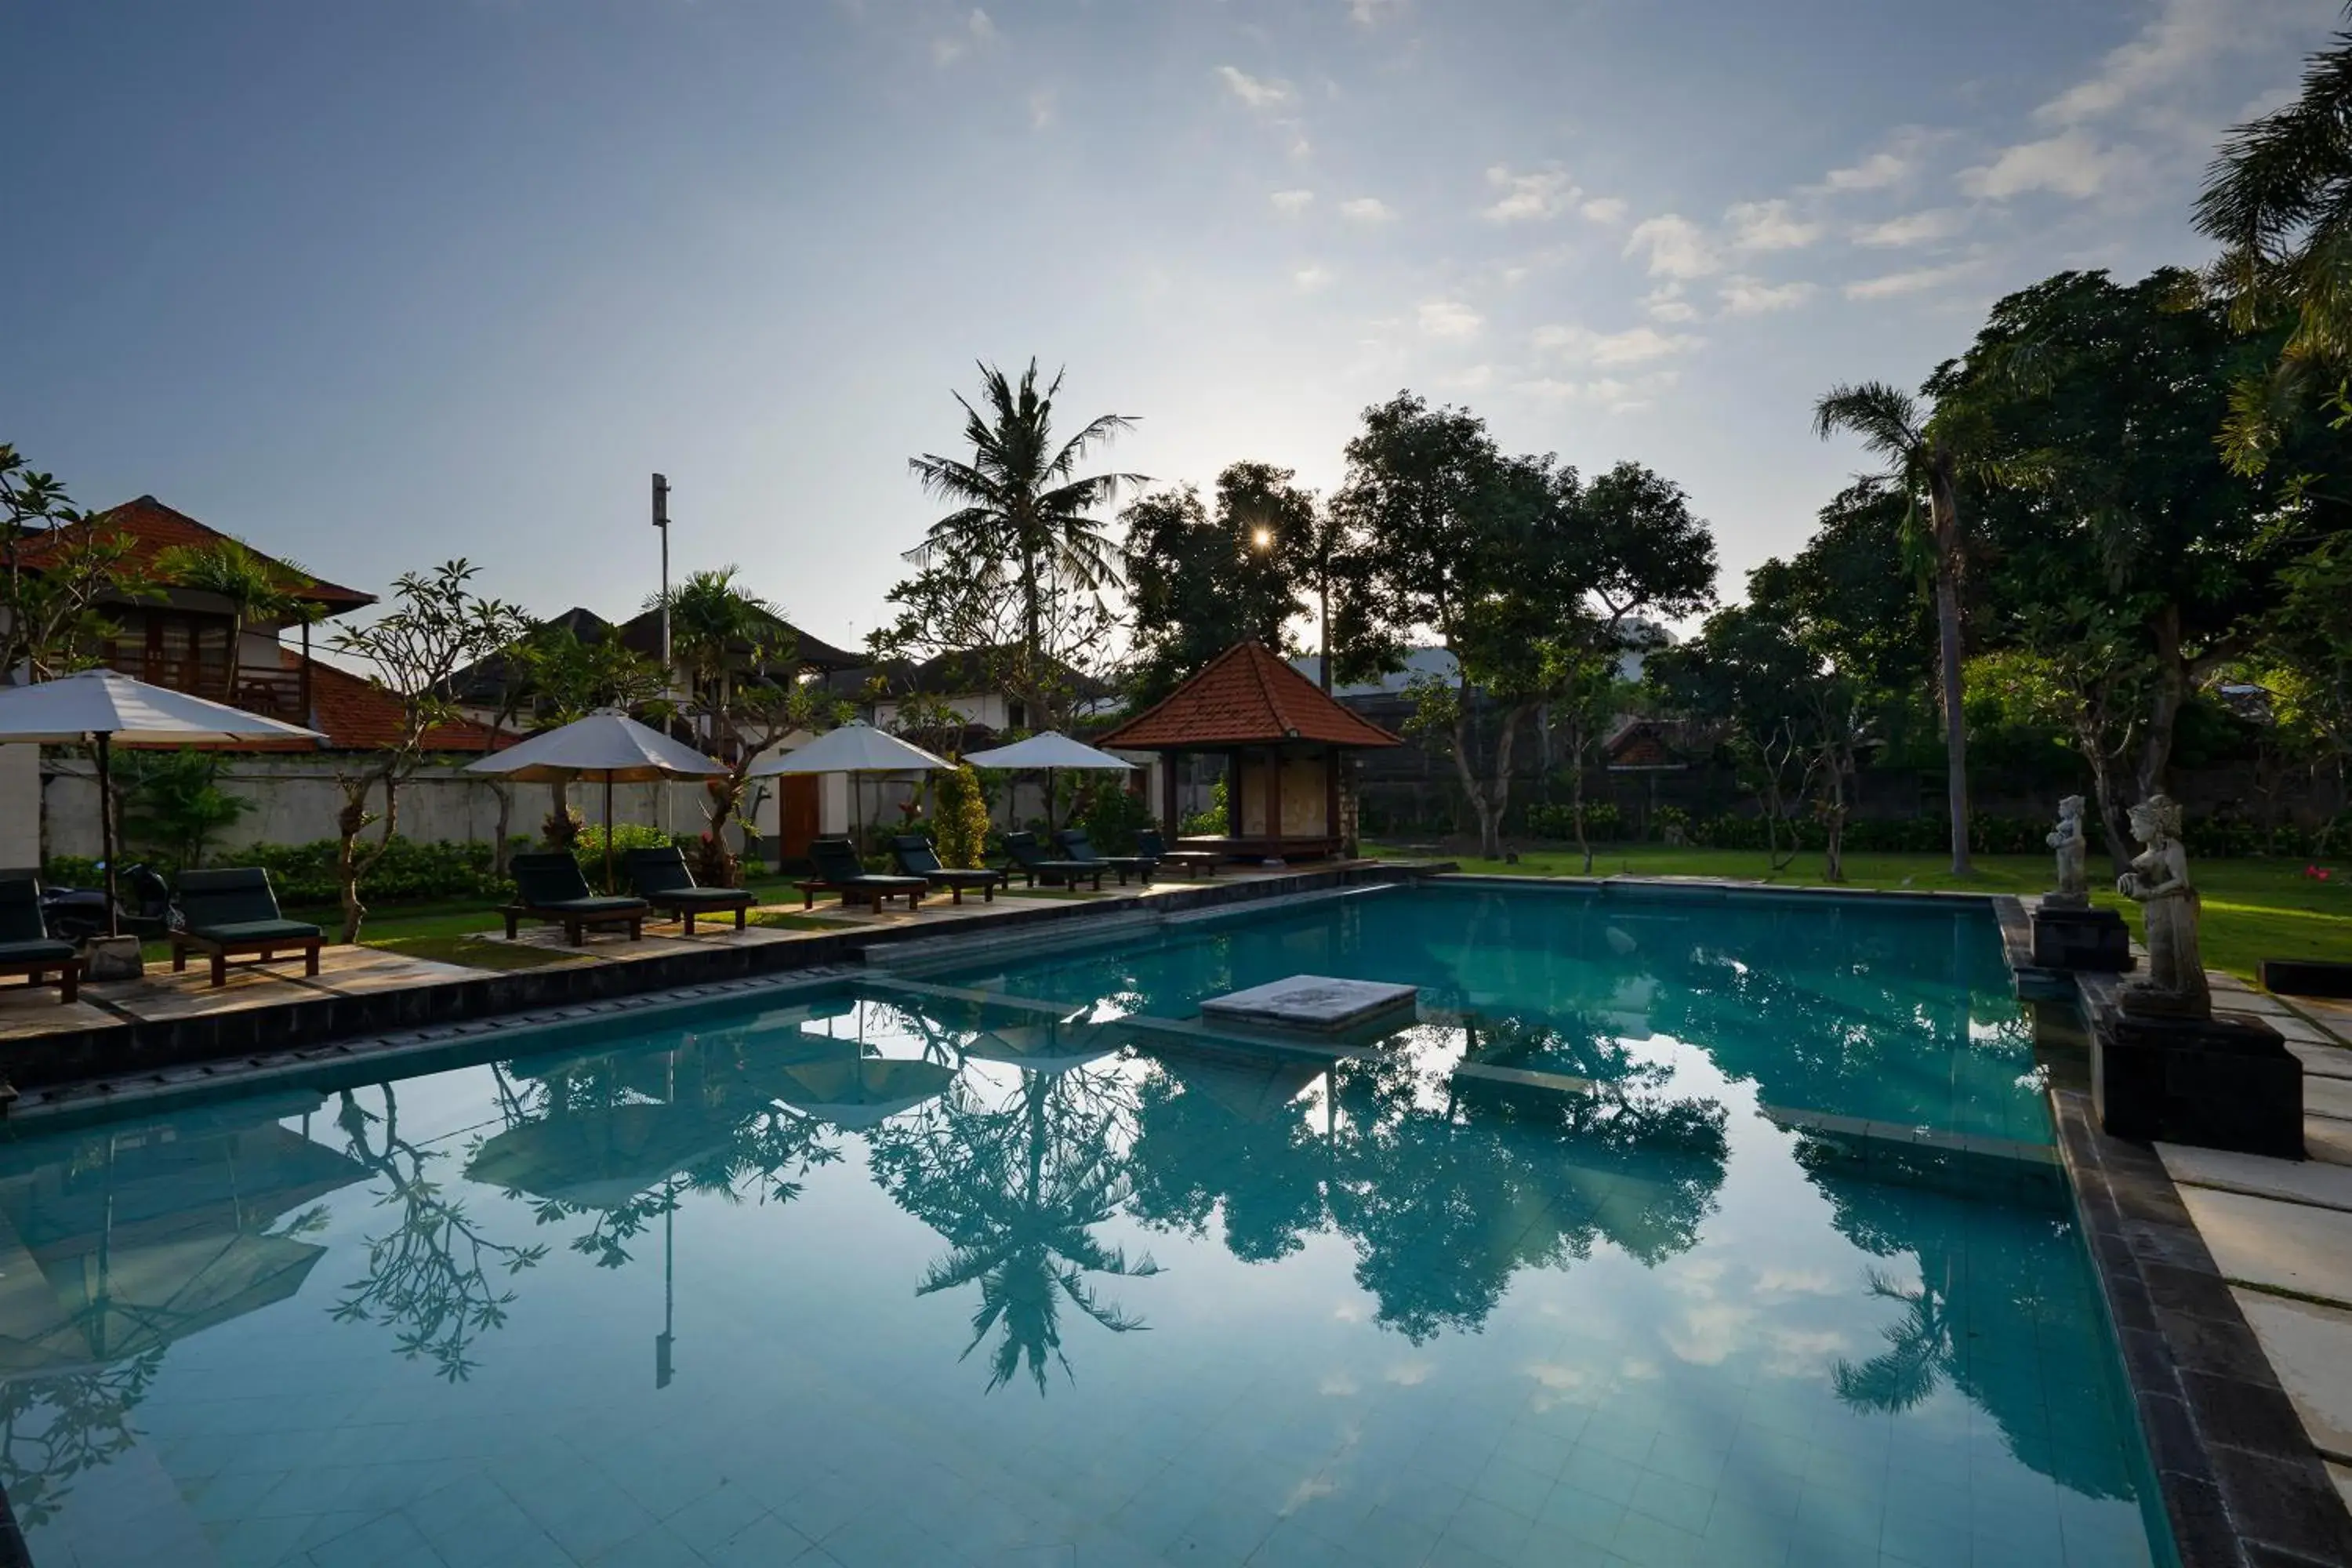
(106,832)
(608,830)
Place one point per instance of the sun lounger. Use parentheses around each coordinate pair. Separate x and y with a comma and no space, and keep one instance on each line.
(914,856)
(839,870)
(661,878)
(1188,861)
(1031,861)
(25,946)
(233,911)
(549,887)
(1077,846)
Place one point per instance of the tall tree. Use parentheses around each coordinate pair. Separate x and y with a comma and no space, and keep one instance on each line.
(737,654)
(1924,456)
(2125,546)
(1198,583)
(1522,573)
(2278,200)
(1023,517)
(436,626)
(50,619)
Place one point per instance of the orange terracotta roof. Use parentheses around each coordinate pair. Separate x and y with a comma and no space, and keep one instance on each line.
(356,716)
(155,528)
(1246,697)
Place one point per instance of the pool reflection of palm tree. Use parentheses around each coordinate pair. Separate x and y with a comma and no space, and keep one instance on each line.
(1919,1346)
(1016,1189)
(2006,1291)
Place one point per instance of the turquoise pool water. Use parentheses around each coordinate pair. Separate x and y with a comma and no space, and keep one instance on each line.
(865,1278)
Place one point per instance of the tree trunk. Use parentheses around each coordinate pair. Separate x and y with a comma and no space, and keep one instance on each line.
(1323,620)
(2164,709)
(1944,507)
(2103,792)
(1576,790)
(500,850)
(1472,789)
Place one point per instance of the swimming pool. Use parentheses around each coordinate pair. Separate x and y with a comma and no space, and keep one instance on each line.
(893,1274)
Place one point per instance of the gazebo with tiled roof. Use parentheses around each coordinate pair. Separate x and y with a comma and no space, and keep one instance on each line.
(1290,790)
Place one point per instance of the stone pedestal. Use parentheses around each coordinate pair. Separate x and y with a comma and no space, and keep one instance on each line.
(111,958)
(2224,1082)
(2081,938)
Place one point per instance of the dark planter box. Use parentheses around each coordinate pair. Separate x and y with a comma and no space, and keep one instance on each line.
(2306,977)
(2081,938)
(2224,1082)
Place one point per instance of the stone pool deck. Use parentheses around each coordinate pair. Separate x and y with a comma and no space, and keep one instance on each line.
(166,1029)
(2281,1232)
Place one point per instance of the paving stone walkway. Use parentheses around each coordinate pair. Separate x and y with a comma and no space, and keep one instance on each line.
(2281,1230)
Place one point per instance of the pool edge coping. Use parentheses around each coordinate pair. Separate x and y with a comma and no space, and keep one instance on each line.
(2240,1481)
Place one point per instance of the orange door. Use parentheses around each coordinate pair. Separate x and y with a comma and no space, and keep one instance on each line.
(795,815)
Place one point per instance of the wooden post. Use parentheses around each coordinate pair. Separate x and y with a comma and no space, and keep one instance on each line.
(1274,801)
(1173,818)
(1331,763)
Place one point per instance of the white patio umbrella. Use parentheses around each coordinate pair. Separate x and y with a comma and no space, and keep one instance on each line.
(103,707)
(1049,751)
(856,748)
(607,744)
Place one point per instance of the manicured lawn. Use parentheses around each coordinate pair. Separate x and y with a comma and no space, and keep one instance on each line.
(2254,908)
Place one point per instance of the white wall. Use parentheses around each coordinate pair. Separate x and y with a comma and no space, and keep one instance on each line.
(20,806)
(297,801)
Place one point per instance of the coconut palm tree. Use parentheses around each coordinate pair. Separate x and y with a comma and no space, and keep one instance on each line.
(716,623)
(1921,454)
(1022,515)
(2278,200)
(257,589)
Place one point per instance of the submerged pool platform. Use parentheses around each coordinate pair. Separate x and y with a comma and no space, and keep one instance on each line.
(1667,1230)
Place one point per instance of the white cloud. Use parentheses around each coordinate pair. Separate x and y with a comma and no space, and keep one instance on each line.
(1912,228)
(1769,226)
(1367,209)
(2185,34)
(1041,109)
(1616,396)
(1916,281)
(1605,209)
(1635,345)
(1667,304)
(1449,318)
(1372,13)
(1472,378)
(1546,194)
(1874,173)
(1290,203)
(949,48)
(1745,296)
(1260,93)
(2070,164)
(1311,276)
(1677,248)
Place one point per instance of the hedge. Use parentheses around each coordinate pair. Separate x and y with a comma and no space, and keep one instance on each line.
(304,874)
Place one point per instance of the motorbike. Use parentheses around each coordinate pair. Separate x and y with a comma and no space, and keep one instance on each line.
(142,904)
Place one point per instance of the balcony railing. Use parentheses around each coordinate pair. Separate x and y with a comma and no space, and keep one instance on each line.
(281,694)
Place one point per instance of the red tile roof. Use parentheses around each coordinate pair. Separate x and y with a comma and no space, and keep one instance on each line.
(154,527)
(1246,697)
(356,716)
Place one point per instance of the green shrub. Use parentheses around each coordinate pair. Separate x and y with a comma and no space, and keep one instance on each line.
(1214,820)
(1603,824)
(1112,818)
(961,828)
(588,848)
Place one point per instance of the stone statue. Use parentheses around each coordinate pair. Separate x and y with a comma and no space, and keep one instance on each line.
(2074,892)
(2158,881)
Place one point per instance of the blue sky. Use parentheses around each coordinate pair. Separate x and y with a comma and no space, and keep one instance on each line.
(373,284)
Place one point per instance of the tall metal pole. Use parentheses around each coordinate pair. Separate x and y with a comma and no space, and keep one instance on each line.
(661,520)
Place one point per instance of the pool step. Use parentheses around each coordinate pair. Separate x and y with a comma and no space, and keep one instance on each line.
(1519,1083)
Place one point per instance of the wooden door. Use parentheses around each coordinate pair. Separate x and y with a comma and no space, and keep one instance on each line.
(796,818)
